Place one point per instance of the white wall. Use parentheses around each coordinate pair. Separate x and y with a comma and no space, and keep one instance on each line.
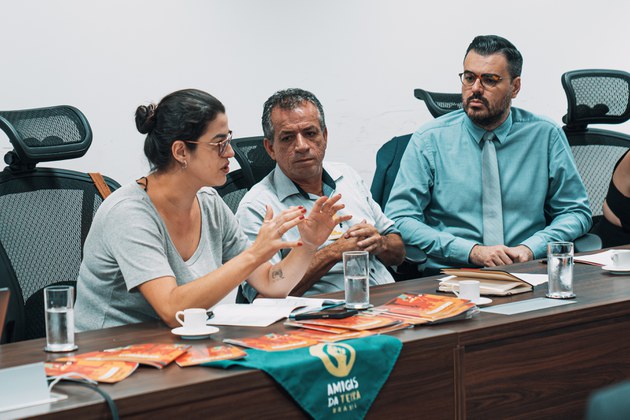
(361,58)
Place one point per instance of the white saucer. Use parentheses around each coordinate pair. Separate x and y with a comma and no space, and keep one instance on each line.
(194,334)
(483,301)
(616,270)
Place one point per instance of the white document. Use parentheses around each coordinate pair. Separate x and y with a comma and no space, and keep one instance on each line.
(263,311)
(533,279)
(297,302)
(526,306)
(601,258)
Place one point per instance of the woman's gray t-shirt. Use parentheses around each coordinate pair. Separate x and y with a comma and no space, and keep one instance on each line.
(128,244)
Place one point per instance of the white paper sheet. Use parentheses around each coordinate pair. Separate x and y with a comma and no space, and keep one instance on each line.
(526,306)
(533,279)
(263,311)
(601,258)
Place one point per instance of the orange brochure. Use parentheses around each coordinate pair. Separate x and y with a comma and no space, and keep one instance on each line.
(197,355)
(106,371)
(356,322)
(273,342)
(426,308)
(328,337)
(152,354)
(322,328)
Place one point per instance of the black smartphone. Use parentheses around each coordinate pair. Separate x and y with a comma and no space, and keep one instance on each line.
(331,313)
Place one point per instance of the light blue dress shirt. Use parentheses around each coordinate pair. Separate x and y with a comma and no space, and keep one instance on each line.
(278,191)
(436,198)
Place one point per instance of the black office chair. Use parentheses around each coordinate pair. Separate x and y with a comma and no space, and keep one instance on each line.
(45,213)
(234,189)
(232,192)
(387,165)
(609,403)
(439,103)
(596,97)
(254,160)
(255,164)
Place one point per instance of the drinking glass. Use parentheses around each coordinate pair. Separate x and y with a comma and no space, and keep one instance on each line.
(356,273)
(59,306)
(560,270)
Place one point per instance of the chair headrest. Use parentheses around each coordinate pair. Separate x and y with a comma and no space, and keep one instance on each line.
(45,134)
(439,103)
(596,96)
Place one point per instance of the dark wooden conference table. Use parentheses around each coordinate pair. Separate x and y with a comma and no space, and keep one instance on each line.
(538,364)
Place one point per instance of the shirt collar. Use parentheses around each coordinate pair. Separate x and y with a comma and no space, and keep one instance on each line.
(501,132)
(287,188)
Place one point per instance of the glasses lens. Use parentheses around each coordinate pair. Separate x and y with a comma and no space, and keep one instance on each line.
(224,144)
(468,78)
(490,80)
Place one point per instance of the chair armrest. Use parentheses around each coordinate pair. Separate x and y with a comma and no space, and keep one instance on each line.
(415,255)
(411,267)
(588,242)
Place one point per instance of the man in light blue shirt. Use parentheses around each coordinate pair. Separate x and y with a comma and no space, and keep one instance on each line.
(296,138)
(436,200)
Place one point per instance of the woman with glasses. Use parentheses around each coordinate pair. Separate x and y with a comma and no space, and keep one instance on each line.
(167,242)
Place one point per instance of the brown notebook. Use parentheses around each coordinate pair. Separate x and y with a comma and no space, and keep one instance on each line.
(491,282)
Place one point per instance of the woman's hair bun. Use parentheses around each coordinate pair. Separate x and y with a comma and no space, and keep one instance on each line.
(145,118)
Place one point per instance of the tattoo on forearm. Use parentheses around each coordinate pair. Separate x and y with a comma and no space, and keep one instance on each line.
(276,274)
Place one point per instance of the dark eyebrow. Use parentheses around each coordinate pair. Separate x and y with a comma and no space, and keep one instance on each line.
(285,132)
(221,136)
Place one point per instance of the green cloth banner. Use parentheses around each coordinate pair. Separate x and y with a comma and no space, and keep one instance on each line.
(339,380)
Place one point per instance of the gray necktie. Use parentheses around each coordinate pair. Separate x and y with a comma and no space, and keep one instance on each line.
(491,195)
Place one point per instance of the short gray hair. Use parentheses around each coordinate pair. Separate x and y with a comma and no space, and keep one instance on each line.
(289,99)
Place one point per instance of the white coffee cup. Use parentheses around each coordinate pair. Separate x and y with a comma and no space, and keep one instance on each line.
(194,318)
(621,258)
(469,289)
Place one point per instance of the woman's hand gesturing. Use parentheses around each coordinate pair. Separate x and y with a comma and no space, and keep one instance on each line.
(269,240)
(316,228)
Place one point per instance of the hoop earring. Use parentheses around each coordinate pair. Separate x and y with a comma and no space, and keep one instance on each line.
(185,164)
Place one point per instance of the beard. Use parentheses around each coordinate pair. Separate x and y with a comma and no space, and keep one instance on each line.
(492,115)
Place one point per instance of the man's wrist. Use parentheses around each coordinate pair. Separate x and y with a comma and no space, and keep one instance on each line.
(472,252)
(530,253)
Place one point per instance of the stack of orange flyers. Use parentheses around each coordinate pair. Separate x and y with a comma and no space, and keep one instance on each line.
(151,354)
(273,342)
(358,322)
(327,337)
(426,308)
(322,328)
(197,355)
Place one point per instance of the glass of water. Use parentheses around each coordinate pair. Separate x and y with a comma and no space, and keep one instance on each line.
(560,270)
(59,306)
(356,273)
